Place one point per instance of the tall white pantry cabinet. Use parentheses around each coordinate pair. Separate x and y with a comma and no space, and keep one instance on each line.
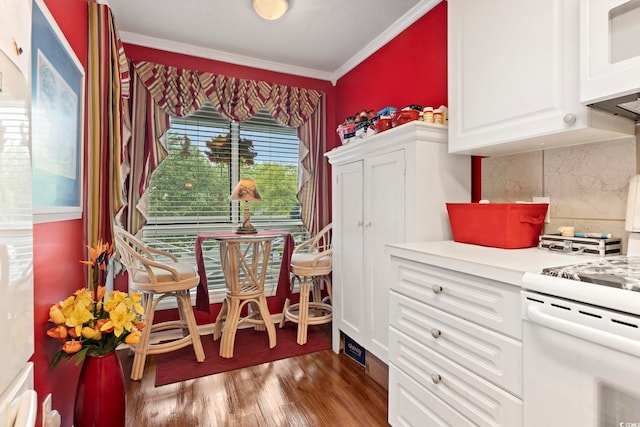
(388,188)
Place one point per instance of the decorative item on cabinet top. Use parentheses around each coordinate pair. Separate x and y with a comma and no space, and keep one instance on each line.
(365,123)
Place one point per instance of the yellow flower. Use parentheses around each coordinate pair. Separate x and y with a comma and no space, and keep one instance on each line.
(56,315)
(120,318)
(91,333)
(78,317)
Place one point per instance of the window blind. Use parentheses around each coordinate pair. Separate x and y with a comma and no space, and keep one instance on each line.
(189,192)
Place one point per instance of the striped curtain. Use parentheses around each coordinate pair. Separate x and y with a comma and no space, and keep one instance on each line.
(313,194)
(235,99)
(160,91)
(292,106)
(108,126)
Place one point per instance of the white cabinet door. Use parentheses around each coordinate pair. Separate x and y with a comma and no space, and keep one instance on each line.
(349,286)
(514,78)
(609,48)
(506,62)
(384,223)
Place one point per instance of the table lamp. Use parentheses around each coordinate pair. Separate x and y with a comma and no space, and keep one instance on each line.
(246,191)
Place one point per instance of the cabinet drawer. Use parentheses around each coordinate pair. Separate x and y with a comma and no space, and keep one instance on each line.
(489,354)
(410,404)
(489,303)
(482,402)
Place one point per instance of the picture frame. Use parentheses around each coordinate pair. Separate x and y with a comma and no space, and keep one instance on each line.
(57,121)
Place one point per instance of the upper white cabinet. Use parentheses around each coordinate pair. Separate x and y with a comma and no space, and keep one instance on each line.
(514,79)
(609,49)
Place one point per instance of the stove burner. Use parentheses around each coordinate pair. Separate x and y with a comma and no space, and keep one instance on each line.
(618,272)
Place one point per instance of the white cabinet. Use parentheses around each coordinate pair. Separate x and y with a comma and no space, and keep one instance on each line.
(514,79)
(388,188)
(455,343)
(609,48)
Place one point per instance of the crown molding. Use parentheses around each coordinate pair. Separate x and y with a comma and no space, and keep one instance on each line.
(383,38)
(218,55)
(386,36)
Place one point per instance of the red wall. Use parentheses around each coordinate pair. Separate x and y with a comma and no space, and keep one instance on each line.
(58,248)
(410,69)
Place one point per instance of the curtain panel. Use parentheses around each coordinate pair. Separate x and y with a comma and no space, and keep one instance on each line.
(108,126)
(171,91)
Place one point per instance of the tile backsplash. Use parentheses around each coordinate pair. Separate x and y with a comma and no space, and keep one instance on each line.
(587,184)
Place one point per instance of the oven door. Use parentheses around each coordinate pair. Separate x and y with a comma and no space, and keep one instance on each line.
(581,364)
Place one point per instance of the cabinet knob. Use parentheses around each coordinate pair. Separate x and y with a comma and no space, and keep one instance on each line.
(368,224)
(360,223)
(436,289)
(436,378)
(436,333)
(569,118)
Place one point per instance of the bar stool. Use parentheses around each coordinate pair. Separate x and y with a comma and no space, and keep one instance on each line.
(156,281)
(311,266)
(244,260)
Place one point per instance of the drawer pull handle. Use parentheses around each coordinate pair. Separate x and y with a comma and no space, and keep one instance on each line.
(436,289)
(436,333)
(436,378)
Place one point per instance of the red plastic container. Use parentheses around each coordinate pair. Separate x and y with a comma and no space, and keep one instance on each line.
(499,225)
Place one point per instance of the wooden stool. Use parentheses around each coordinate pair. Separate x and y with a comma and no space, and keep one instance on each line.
(311,265)
(244,262)
(157,280)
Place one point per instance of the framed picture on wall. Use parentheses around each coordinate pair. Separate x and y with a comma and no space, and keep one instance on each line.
(57,120)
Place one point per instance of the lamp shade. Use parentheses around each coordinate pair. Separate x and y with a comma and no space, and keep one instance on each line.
(270,9)
(246,191)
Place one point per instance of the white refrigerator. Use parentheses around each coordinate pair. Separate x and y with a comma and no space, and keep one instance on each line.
(18,400)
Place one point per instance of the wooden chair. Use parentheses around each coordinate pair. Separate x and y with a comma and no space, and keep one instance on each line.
(157,280)
(311,265)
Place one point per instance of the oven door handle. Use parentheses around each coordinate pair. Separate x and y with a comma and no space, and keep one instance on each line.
(586,333)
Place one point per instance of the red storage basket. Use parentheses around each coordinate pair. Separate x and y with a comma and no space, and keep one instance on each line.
(499,225)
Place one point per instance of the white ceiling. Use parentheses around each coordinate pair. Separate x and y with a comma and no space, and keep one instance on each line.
(322,39)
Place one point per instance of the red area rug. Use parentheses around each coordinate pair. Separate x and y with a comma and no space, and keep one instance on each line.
(251,348)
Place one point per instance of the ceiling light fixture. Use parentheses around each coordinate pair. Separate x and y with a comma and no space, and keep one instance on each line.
(270,9)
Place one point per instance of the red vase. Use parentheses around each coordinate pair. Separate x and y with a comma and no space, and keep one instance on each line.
(100,396)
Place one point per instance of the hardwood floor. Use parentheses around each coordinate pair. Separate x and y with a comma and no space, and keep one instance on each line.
(315,390)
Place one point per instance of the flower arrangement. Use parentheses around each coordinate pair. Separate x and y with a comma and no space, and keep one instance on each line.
(92,323)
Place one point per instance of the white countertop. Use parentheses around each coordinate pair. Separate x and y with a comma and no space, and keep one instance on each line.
(506,265)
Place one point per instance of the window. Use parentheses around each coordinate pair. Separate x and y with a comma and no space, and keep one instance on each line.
(189,192)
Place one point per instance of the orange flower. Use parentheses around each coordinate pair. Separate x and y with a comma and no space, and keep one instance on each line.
(99,255)
(100,325)
(58,332)
(102,290)
(133,337)
(141,325)
(71,347)
(73,333)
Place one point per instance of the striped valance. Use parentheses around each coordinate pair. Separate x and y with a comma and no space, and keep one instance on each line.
(180,92)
